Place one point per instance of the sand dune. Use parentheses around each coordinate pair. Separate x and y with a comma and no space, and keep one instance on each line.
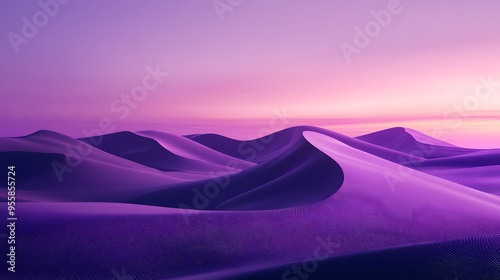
(186,148)
(255,207)
(149,152)
(300,175)
(413,142)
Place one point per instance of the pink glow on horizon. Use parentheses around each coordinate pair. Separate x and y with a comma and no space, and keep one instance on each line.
(480,132)
(264,55)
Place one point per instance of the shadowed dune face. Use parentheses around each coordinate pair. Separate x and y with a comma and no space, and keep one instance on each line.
(147,151)
(95,176)
(35,167)
(186,148)
(142,170)
(300,175)
(256,150)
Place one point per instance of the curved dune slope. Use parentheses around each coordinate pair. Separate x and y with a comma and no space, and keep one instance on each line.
(148,152)
(300,175)
(186,148)
(256,150)
(55,167)
(413,142)
(126,167)
(404,196)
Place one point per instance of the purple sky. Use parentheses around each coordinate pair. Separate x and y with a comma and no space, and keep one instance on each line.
(263,56)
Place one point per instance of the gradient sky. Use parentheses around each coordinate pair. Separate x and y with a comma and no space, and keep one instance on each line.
(230,76)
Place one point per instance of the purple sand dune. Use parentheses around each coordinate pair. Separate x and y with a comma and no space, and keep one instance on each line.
(172,183)
(300,175)
(483,178)
(478,170)
(362,213)
(420,192)
(257,150)
(89,181)
(475,159)
(472,168)
(405,140)
(52,142)
(93,176)
(148,152)
(427,139)
(45,141)
(449,158)
(186,148)
(301,172)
